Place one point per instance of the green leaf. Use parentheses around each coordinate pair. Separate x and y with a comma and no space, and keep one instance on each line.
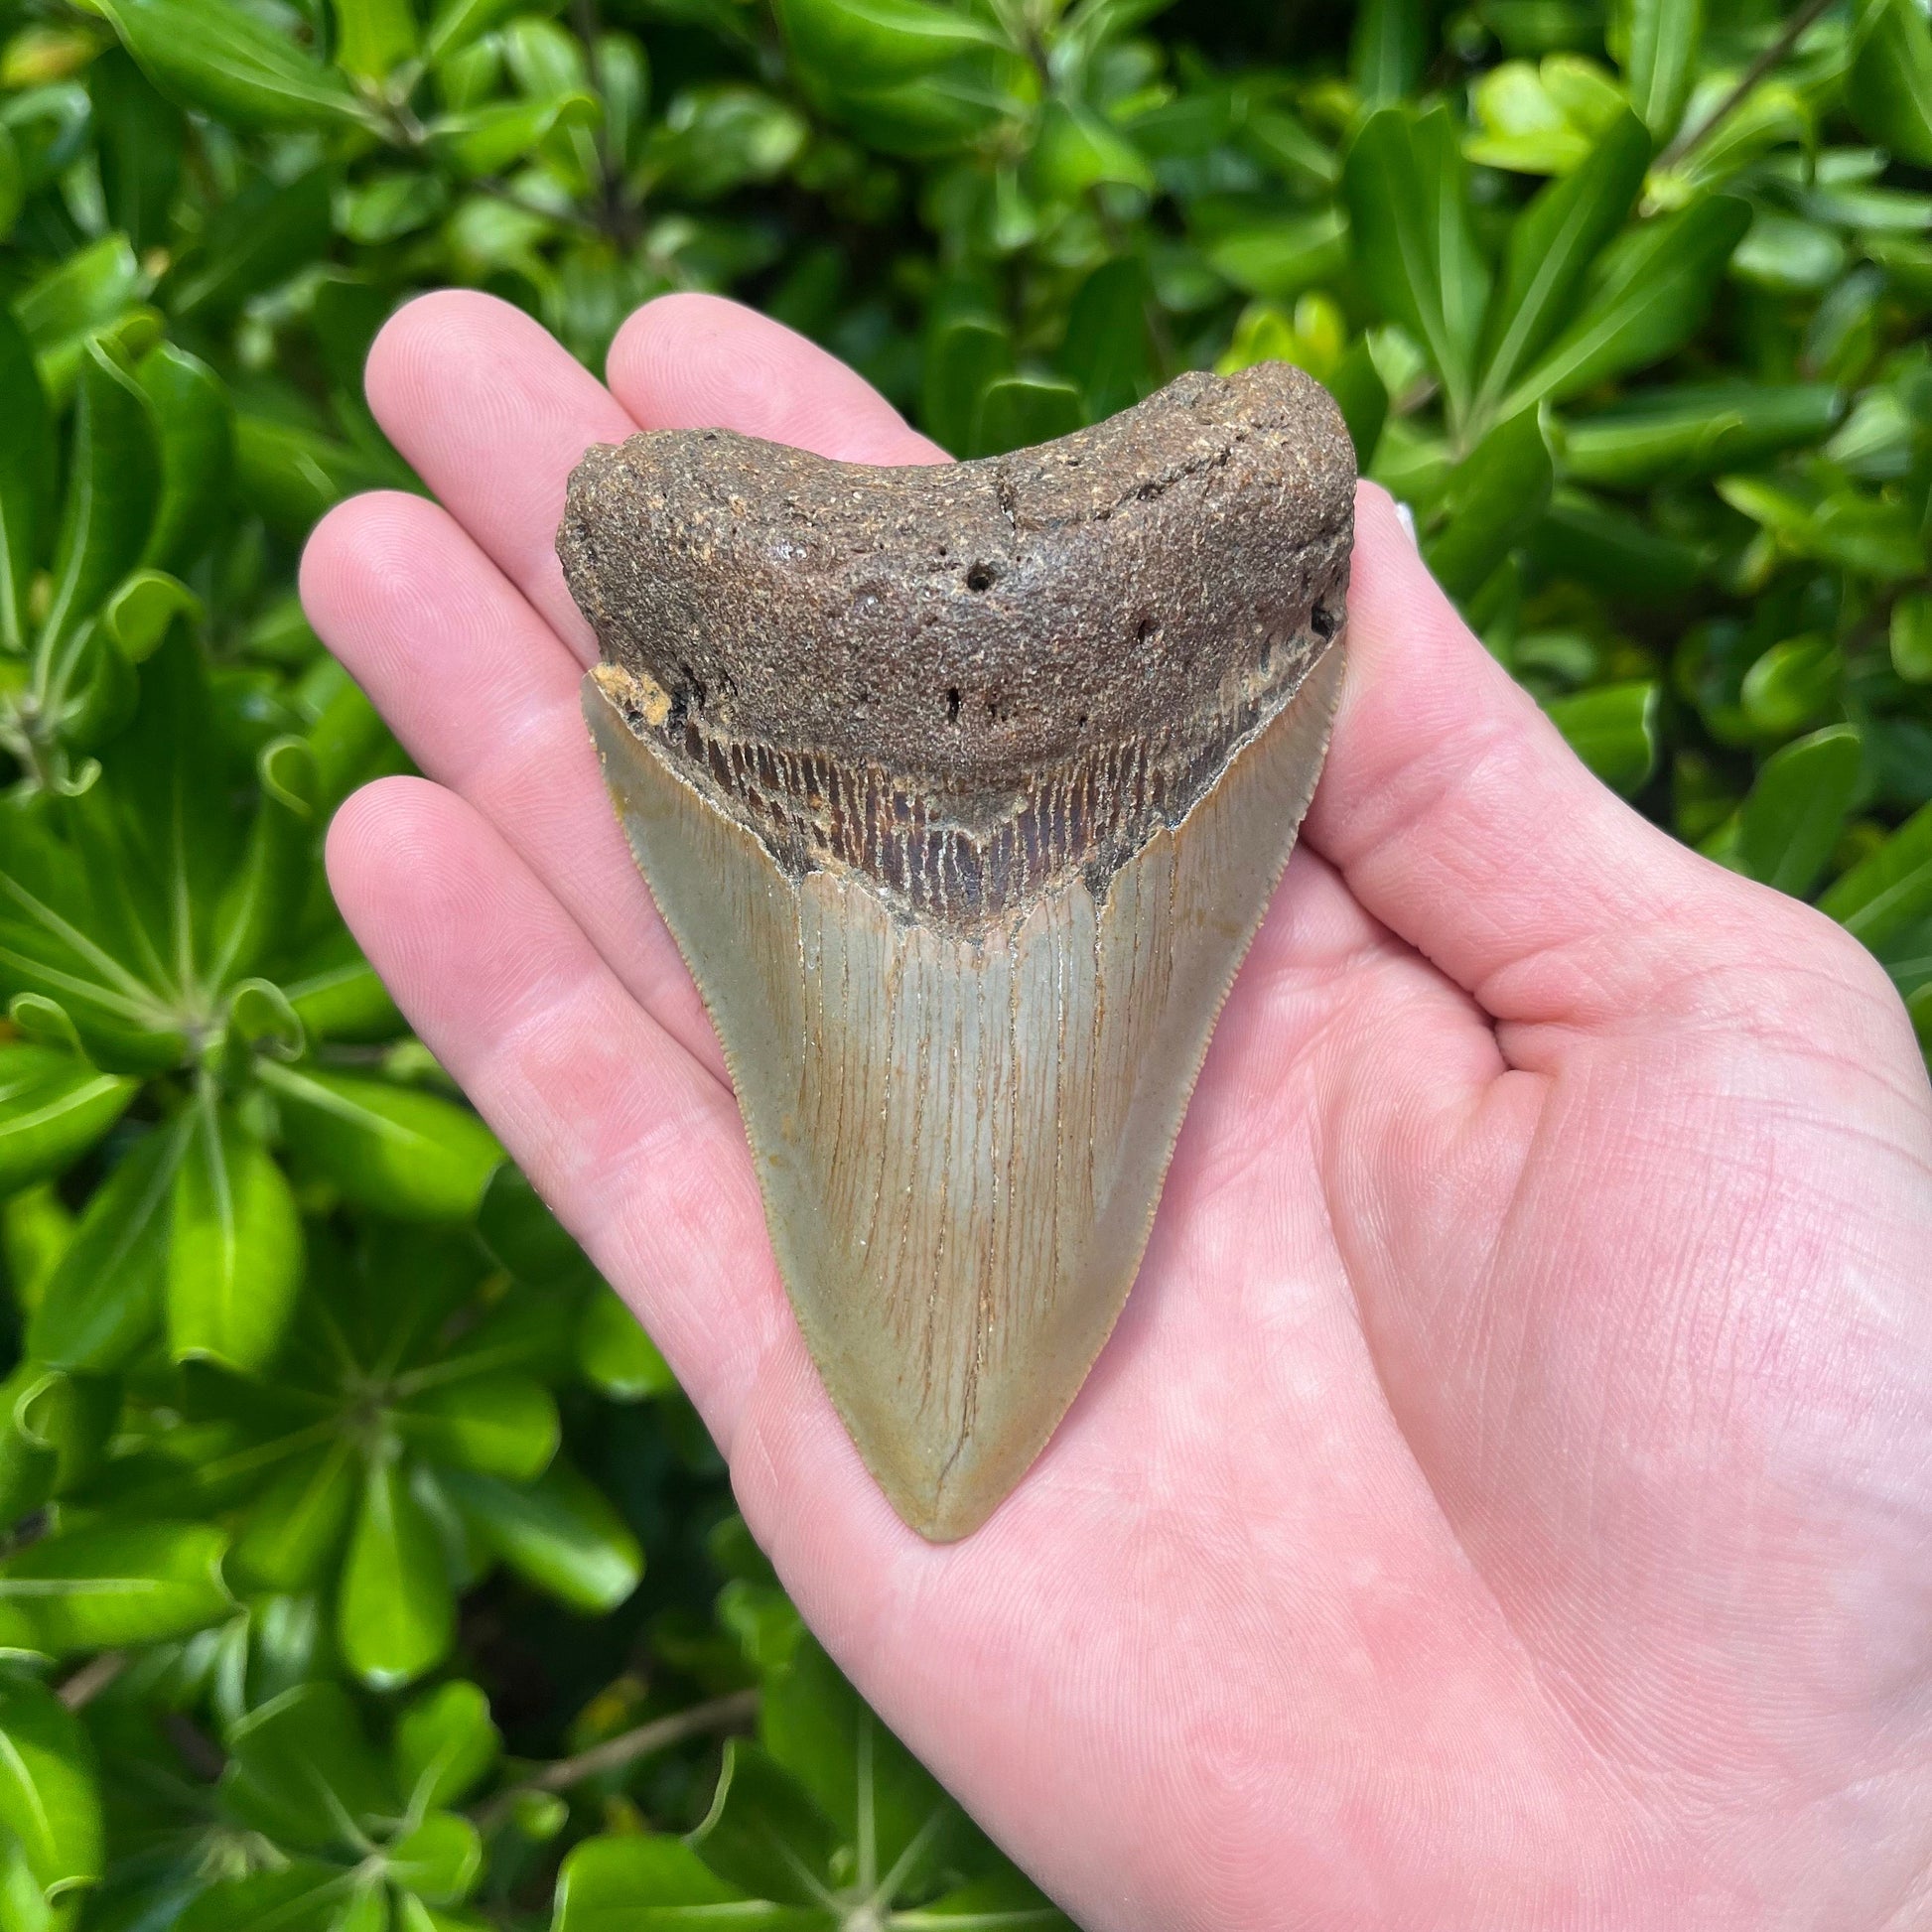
(1016,411)
(1614,729)
(197,431)
(112,1585)
(963,356)
(1654,288)
(1494,495)
(1888,890)
(260,237)
(53,1108)
(522,1234)
(95,290)
(47,1795)
(487,140)
(764,1834)
(292,475)
(643,1883)
(302,1770)
(1077,149)
(234,1254)
(137,615)
(296,1526)
(440,1861)
(615,1355)
(866,44)
(113,485)
(559,1533)
(388,1147)
(1694,430)
(1388,50)
(140,136)
(303,1895)
(373,36)
(1797,807)
(1552,245)
(1359,394)
(24,479)
(1910,636)
(262,901)
(1889,86)
(1791,683)
(1656,44)
(1415,244)
(1108,350)
(1619,555)
(1279,259)
(503,1425)
(395,1617)
(103,1299)
(446,1745)
(218,56)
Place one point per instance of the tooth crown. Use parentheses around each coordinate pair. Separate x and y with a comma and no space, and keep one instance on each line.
(963,789)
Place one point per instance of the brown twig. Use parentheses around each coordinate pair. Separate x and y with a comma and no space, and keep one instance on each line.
(730,1713)
(92,1678)
(1794,29)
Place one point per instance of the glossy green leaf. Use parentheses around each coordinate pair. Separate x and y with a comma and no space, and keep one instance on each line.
(1653,289)
(29,1463)
(872,42)
(236,1248)
(395,1616)
(24,478)
(503,1425)
(1415,244)
(116,1584)
(302,1770)
(615,1354)
(1617,555)
(1280,257)
(103,1299)
(1494,495)
(373,36)
(1016,411)
(254,241)
(1888,890)
(292,475)
(559,1533)
(1388,48)
(1694,430)
(197,431)
(446,1744)
(1797,807)
(1359,394)
(1792,683)
(49,1800)
(1077,149)
(487,140)
(113,487)
(1656,44)
(94,291)
(388,1147)
(1614,729)
(440,1861)
(1109,351)
(218,56)
(303,1895)
(963,356)
(1888,88)
(137,613)
(1910,636)
(523,1236)
(141,135)
(764,1834)
(1552,245)
(297,1525)
(262,901)
(53,1108)
(644,1884)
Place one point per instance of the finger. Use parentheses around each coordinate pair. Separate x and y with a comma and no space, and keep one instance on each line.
(1462,821)
(493,413)
(639,1152)
(699,361)
(484,696)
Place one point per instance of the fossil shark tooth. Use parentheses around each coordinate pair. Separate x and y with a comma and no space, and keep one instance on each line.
(963,789)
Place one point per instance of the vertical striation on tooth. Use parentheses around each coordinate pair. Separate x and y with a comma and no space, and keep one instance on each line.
(963,789)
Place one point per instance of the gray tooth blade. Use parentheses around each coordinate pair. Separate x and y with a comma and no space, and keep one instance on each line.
(961,1136)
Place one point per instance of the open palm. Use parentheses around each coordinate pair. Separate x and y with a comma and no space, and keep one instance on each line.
(1507,1499)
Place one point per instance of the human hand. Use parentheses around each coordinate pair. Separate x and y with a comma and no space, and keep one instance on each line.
(1506,1501)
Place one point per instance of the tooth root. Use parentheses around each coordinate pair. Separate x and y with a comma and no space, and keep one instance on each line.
(961,1129)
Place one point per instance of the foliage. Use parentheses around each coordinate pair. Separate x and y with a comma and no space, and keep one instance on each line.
(329,1467)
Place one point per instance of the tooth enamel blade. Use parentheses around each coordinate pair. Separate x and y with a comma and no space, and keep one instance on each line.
(961,1137)
(963,789)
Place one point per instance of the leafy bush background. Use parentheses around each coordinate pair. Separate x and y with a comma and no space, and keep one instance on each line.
(328,1467)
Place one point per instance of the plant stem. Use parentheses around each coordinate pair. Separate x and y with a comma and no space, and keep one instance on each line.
(92,1678)
(730,1713)
(1794,29)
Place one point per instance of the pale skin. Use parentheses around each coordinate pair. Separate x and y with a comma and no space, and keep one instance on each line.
(1506,1502)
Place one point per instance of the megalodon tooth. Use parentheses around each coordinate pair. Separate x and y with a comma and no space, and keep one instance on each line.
(963,789)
